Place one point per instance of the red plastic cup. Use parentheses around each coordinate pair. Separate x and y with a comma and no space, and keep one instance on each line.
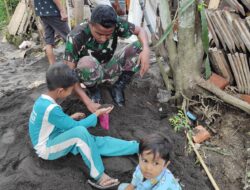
(104,121)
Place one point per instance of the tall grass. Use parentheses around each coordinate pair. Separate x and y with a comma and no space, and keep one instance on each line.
(11,5)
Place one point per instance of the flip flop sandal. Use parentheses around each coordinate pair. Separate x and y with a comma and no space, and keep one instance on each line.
(96,185)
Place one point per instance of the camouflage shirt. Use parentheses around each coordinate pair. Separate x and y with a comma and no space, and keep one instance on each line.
(80,42)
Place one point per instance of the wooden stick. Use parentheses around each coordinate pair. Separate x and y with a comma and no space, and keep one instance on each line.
(223,95)
(203,163)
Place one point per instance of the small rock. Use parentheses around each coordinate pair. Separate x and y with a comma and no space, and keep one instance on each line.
(163,95)
(8,137)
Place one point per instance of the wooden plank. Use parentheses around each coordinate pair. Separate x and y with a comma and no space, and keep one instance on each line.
(211,29)
(242,73)
(16,18)
(23,21)
(238,69)
(246,3)
(226,33)
(217,30)
(220,65)
(241,32)
(235,73)
(237,6)
(247,20)
(238,42)
(228,20)
(247,34)
(248,69)
(213,61)
(226,69)
(213,4)
(243,58)
(222,32)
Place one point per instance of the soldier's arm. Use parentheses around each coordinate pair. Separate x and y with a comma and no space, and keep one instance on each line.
(71,57)
(144,55)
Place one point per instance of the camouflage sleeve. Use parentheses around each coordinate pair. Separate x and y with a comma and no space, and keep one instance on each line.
(125,29)
(70,53)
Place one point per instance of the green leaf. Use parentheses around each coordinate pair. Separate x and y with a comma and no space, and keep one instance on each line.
(208,71)
(205,39)
(165,35)
(204,32)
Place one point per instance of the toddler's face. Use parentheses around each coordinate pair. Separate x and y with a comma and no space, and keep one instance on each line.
(151,166)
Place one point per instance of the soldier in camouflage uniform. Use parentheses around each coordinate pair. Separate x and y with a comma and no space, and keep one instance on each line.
(91,49)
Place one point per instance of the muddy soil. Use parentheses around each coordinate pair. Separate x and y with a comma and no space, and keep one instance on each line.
(20,168)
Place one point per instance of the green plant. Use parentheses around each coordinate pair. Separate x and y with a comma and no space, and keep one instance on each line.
(180,121)
(7,8)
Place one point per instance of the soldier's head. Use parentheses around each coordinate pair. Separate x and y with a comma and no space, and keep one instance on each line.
(102,23)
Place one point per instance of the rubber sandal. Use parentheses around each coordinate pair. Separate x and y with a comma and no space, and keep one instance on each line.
(96,185)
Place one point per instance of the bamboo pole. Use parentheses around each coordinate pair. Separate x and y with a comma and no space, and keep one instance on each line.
(203,163)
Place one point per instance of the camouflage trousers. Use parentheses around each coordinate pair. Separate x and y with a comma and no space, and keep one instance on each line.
(91,72)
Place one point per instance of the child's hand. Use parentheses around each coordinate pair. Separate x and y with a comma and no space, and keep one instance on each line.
(78,115)
(104,110)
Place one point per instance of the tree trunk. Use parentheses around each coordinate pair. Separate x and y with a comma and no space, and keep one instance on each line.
(190,52)
(186,58)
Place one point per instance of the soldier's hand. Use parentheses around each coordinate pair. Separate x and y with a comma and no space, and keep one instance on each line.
(144,61)
(92,107)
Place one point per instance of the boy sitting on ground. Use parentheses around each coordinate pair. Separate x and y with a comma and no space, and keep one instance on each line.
(54,134)
(152,172)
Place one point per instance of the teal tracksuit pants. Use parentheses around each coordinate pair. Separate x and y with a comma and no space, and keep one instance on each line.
(79,140)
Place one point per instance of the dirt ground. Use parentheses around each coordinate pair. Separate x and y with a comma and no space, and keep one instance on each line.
(20,168)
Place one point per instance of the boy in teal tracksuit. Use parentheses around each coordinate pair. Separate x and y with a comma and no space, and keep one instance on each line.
(55,134)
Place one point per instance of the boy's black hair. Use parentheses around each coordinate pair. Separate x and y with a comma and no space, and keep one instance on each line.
(59,75)
(104,15)
(156,144)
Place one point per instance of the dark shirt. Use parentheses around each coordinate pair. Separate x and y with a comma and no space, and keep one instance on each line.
(46,8)
(80,42)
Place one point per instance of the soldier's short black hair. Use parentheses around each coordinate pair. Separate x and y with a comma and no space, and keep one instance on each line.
(104,15)
(59,75)
(157,144)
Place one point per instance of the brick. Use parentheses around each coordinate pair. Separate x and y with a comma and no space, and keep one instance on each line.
(245,97)
(218,81)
